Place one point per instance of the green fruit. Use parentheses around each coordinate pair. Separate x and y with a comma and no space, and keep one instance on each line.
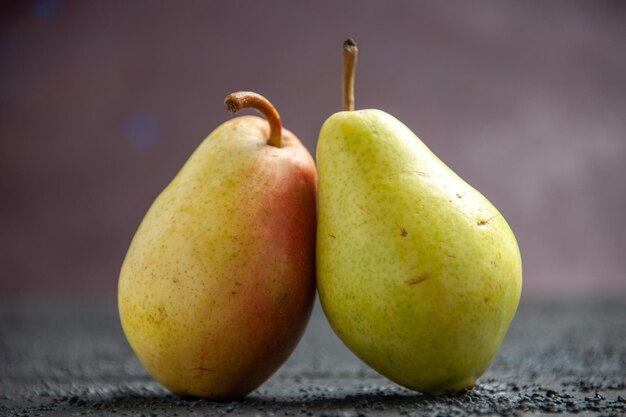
(219,281)
(418,273)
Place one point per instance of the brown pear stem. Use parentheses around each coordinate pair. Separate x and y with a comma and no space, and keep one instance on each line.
(247,99)
(350,52)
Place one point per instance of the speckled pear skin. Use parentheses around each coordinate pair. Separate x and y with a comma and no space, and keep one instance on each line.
(418,273)
(219,280)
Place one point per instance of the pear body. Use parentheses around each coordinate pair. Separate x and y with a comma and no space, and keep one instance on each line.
(218,283)
(417,272)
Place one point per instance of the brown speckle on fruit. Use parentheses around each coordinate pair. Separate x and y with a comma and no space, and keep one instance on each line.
(483,222)
(418,280)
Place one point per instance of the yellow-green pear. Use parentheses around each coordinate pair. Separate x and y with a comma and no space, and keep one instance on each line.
(219,280)
(418,273)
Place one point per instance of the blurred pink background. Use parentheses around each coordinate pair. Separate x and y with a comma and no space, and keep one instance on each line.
(101,102)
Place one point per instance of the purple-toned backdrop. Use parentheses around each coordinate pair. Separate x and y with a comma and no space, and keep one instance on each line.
(101,102)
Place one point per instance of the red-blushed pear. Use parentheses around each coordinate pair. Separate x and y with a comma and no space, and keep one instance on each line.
(219,280)
(418,273)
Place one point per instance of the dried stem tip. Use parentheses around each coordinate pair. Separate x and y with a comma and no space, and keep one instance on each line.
(247,99)
(350,52)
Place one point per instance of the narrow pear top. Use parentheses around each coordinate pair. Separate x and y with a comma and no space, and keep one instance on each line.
(247,99)
(350,52)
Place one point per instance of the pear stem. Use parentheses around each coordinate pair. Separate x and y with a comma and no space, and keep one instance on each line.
(350,52)
(247,99)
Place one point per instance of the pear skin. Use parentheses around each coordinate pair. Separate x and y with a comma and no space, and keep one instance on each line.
(219,280)
(418,273)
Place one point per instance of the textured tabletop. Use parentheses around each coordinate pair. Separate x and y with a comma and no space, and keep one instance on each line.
(66,358)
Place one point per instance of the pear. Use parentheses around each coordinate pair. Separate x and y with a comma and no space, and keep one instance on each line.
(417,272)
(219,280)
